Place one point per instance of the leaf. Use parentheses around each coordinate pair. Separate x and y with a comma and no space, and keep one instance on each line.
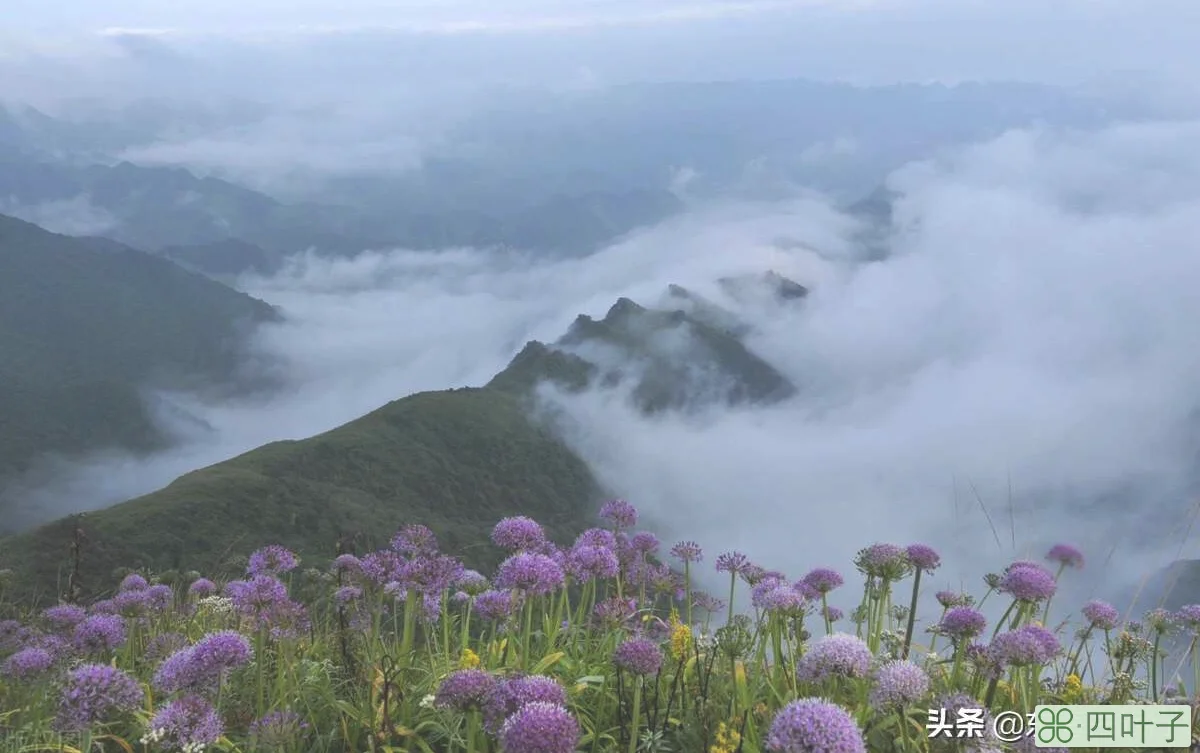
(118,740)
(548,662)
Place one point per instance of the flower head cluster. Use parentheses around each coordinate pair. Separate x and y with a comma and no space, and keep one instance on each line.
(28,662)
(540,727)
(464,690)
(1188,617)
(1065,555)
(835,655)
(278,730)
(272,560)
(687,551)
(496,605)
(813,725)
(64,617)
(1029,644)
(1028,582)
(202,666)
(93,693)
(99,633)
(190,724)
(132,582)
(823,579)
(962,623)
(898,684)
(886,561)
(592,562)
(202,587)
(519,534)
(734,563)
(950,599)
(923,557)
(639,656)
(619,514)
(508,696)
(415,540)
(530,573)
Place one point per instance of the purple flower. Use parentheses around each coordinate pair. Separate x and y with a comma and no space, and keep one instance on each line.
(496,606)
(597,537)
(202,666)
(1030,644)
(159,597)
(1188,616)
(277,730)
(188,723)
(531,573)
(28,662)
(1065,555)
(382,567)
(832,613)
(464,690)
(271,560)
(687,551)
(163,645)
(835,655)
(13,635)
(614,612)
(472,582)
(952,599)
(519,534)
(589,562)
(883,561)
(202,587)
(94,693)
(806,591)
(346,563)
(824,580)
(619,514)
(508,696)
(415,540)
(733,563)
(639,656)
(256,596)
(1027,581)
(64,616)
(431,574)
(1101,614)
(898,684)
(644,542)
(707,602)
(99,633)
(540,727)
(962,623)
(812,725)
(923,557)
(779,598)
(132,582)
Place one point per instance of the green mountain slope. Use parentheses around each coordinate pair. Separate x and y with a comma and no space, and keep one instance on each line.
(85,324)
(456,460)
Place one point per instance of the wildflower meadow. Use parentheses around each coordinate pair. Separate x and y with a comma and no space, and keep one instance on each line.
(602,646)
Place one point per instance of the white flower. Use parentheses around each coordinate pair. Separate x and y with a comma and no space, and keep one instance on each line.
(427,701)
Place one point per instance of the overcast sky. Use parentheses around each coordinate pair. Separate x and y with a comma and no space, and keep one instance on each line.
(618,40)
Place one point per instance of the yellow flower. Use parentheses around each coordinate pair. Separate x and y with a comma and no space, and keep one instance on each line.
(1073,688)
(727,740)
(681,637)
(469,660)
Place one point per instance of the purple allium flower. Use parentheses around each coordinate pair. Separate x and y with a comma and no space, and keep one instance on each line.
(835,655)
(383,567)
(1187,616)
(597,537)
(1065,555)
(13,635)
(1159,620)
(507,696)
(472,582)
(163,645)
(883,561)
(923,557)
(813,725)
(1028,581)
(271,560)
(94,693)
(202,587)
(639,656)
(732,562)
(189,723)
(277,730)
(496,606)
(99,633)
(260,594)
(104,606)
(28,662)
(132,582)
(57,646)
(644,542)
(159,597)
(131,603)
(202,666)
(415,540)
(952,599)
(64,617)
(464,690)
(619,514)
(540,727)
(753,574)
(778,598)
(898,684)
(962,623)
(532,573)
(614,612)
(431,574)
(806,591)
(591,562)
(687,551)
(1029,644)
(707,602)
(1101,614)
(833,614)
(347,594)
(347,563)
(519,534)
(824,579)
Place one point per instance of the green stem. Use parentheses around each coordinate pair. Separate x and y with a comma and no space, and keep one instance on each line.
(912,614)
(527,632)
(637,715)
(1003,617)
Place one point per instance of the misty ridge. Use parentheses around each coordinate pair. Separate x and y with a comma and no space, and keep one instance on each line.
(993,348)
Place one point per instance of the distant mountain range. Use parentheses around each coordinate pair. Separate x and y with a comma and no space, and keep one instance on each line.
(456,460)
(86,325)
